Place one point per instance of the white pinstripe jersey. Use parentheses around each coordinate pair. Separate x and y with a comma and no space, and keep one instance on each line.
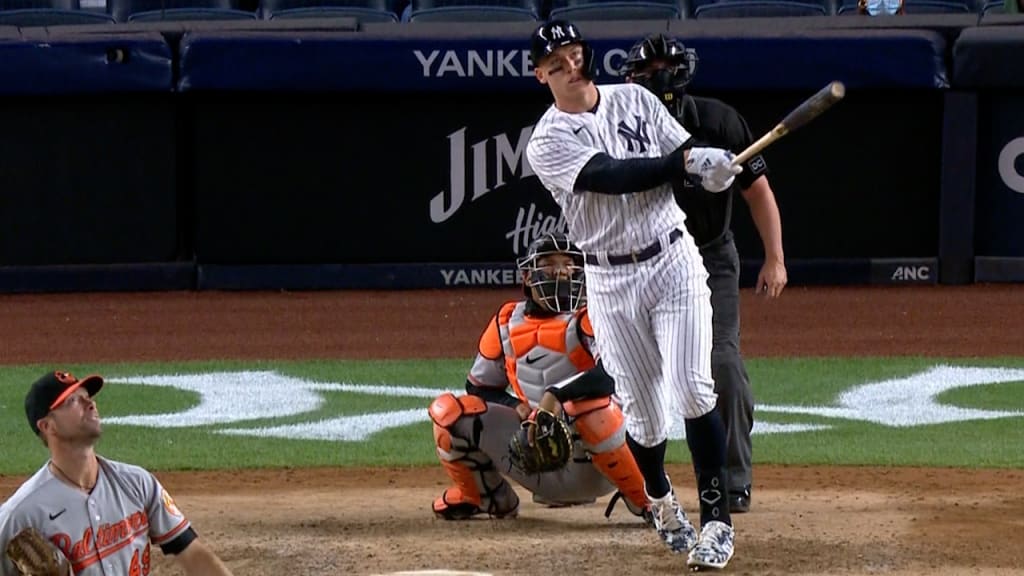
(107,531)
(629,122)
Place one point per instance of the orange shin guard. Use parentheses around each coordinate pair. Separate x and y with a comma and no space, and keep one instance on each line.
(600,424)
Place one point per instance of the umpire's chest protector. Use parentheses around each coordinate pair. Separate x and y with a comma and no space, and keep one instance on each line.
(541,351)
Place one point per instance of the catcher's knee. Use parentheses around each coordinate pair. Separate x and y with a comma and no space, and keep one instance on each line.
(600,423)
(445,411)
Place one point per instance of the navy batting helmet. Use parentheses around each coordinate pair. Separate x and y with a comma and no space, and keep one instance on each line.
(557,290)
(552,35)
(668,82)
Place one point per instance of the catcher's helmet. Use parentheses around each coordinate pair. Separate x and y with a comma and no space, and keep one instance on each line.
(669,82)
(552,35)
(559,290)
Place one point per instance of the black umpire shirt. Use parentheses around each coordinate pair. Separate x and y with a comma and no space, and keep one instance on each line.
(714,123)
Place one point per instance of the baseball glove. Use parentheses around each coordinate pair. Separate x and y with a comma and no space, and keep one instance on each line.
(551,448)
(34,555)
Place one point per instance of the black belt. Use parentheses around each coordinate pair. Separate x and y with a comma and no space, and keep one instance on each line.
(635,257)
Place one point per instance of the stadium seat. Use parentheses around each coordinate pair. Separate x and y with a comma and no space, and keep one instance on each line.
(849,7)
(759,9)
(48,13)
(473,11)
(363,10)
(994,7)
(615,10)
(157,10)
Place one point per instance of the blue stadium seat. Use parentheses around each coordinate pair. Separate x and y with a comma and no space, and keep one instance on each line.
(157,10)
(47,13)
(849,7)
(759,9)
(615,10)
(994,7)
(363,10)
(473,11)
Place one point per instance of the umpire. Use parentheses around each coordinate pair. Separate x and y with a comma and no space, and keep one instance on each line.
(665,67)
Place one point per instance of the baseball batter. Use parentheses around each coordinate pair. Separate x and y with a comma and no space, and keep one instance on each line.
(665,66)
(103,515)
(542,350)
(607,154)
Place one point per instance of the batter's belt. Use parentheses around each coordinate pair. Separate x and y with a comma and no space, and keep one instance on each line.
(633,257)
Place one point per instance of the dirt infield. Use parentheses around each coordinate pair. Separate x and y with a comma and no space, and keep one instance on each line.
(805,520)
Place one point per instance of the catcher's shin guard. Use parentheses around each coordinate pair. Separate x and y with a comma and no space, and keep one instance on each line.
(478,487)
(600,424)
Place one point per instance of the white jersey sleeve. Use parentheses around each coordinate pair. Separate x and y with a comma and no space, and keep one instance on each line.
(557,154)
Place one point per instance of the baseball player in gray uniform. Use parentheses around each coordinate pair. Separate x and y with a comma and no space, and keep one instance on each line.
(103,515)
(608,154)
(536,352)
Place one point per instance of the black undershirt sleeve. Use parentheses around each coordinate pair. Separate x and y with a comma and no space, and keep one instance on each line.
(606,175)
(594,383)
(178,545)
(492,395)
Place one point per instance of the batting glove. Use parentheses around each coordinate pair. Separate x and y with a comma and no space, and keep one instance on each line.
(713,166)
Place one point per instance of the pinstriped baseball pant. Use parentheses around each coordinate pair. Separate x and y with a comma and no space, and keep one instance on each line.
(652,321)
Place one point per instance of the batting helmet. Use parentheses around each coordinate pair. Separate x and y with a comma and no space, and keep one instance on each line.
(552,35)
(556,290)
(668,82)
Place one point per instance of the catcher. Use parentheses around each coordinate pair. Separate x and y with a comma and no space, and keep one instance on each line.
(82,514)
(560,432)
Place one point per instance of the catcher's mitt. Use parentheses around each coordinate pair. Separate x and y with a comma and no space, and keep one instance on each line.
(34,555)
(551,448)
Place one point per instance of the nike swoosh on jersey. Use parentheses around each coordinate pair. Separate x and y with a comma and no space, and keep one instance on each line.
(577,129)
(57,515)
(530,360)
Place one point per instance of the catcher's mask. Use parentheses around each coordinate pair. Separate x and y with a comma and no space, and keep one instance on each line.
(662,65)
(552,35)
(555,284)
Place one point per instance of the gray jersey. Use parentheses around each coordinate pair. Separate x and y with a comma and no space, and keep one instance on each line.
(108,531)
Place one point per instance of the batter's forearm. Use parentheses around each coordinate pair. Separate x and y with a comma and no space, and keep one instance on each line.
(606,175)
(764,211)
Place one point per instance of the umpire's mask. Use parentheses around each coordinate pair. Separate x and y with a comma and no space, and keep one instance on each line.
(553,274)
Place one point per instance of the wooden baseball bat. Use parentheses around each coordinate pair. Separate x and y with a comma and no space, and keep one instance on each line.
(802,114)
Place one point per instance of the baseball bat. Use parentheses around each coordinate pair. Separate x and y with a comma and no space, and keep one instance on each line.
(802,114)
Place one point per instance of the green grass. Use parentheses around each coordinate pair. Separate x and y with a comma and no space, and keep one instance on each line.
(777,382)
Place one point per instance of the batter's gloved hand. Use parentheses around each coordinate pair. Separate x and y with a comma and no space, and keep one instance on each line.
(714,167)
(542,444)
(33,555)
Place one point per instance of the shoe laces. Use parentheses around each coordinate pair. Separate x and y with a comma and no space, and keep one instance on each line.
(668,516)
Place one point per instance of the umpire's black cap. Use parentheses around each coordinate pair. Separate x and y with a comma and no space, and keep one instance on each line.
(53,388)
(551,36)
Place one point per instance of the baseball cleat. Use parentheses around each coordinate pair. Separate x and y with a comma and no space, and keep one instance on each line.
(739,501)
(672,524)
(714,548)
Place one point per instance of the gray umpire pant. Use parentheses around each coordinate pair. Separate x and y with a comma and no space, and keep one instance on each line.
(735,398)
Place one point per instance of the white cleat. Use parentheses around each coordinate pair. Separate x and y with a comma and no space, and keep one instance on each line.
(672,524)
(714,548)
